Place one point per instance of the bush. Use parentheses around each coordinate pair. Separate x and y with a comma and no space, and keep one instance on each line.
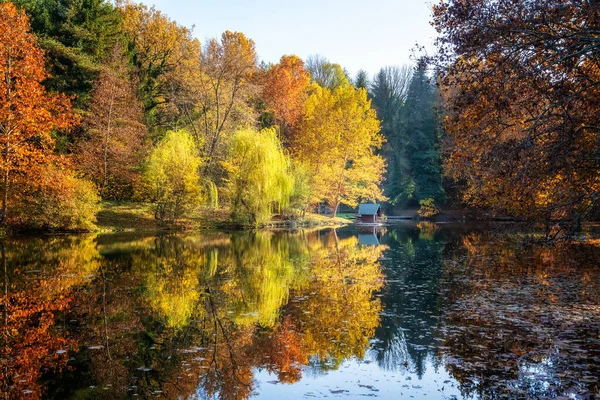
(56,200)
(171,176)
(428,209)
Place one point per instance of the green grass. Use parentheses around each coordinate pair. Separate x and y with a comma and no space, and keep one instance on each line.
(351,216)
(134,217)
(126,216)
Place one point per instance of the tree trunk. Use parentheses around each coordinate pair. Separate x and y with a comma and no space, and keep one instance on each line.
(106,138)
(335,208)
(6,145)
(4,189)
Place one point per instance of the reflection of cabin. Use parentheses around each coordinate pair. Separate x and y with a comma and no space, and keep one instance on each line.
(369,235)
(369,213)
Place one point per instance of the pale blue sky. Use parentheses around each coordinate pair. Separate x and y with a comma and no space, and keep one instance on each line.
(356,34)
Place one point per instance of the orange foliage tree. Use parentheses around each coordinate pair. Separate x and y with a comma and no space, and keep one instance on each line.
(523,105)
(28,114)
(110,150)
(285,90)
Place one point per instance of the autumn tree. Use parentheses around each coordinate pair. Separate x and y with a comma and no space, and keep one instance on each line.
(171,176)
(164,54)
(228,66)
(285,90)
(326,73)
(259,179)
(523,125)
(337,139)
(28,115)
(110,148)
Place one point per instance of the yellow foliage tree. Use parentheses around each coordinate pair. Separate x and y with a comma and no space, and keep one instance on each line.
(171,175)
(337,140)
(166,56)
(228,68)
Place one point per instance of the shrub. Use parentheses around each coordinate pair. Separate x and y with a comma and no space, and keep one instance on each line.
(57,200)
(428,209)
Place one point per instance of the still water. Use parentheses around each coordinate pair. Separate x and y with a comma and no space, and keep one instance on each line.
(415,311)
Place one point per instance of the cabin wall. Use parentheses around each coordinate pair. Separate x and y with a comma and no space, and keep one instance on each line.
(368,219)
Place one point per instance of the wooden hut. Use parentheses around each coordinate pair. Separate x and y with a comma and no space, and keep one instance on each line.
(369,213)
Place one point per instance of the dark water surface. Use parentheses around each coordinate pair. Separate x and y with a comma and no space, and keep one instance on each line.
(415,311)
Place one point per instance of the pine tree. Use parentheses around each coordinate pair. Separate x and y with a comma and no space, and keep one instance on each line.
(420,123)
(388,92)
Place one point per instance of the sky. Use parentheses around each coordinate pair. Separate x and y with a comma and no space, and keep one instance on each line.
(356,34)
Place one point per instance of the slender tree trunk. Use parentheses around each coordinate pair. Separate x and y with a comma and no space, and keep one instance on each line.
(7,133)
(106,139)
(5,311)
(335,208)
(4,187)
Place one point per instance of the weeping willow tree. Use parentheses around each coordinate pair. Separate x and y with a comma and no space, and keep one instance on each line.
(264,267)
(259,178)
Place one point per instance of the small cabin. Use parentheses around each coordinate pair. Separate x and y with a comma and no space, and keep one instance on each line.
(369,213)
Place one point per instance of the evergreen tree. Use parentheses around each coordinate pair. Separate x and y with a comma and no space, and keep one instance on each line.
(388,92)
(76,36)
(421,127)
(362,80)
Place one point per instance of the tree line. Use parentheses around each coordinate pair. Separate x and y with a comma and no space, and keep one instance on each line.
(119,102)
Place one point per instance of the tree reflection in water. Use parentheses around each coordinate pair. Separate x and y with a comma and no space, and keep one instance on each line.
(522,322)
(200,316)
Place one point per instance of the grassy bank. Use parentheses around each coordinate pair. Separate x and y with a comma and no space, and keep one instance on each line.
(129,217)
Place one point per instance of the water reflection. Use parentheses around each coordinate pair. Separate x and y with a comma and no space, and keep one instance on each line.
(421,310)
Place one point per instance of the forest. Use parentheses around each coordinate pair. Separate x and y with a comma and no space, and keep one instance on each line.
(104,103)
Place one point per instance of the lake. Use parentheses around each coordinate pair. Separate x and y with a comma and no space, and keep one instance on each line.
(430,311)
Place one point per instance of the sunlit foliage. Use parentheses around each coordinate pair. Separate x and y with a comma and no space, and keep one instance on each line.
(285,90)
(228,67)
(325,73)
(523,106)
(28,116)
(171,176)
(259,176)
(163,53)
(337,141)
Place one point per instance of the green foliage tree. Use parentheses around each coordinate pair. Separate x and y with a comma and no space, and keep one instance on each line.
(422,129)
(76,36)
(171,176)
(362,80)
(388,91)
(259,176)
